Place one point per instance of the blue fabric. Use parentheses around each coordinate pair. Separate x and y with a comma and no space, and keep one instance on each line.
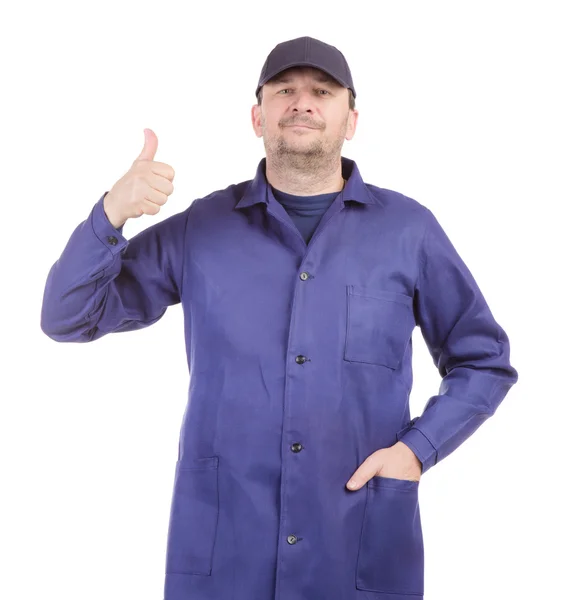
(300,360)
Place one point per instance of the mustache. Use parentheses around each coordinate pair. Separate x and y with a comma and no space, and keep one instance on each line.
(306,123)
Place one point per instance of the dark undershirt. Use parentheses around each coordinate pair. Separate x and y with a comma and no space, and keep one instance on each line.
(305,211)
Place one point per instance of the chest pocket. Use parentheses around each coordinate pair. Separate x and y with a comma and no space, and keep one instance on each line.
(379,325)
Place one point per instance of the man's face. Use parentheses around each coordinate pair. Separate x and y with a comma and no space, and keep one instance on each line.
(309,97)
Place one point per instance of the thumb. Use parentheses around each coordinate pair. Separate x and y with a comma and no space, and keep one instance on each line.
(150,146)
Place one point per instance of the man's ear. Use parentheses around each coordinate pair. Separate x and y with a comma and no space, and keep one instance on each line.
(352,124)
(255,118)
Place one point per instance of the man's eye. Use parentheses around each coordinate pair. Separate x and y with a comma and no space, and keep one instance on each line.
(287,89)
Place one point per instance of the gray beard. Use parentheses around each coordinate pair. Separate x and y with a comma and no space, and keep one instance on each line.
(313,162)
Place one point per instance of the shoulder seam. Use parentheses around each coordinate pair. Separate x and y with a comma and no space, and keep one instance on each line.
(422,258)
(184,248)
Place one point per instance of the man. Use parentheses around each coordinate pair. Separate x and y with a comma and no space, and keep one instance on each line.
(301,289)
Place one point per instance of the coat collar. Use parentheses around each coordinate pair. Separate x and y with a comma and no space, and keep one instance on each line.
(354,190)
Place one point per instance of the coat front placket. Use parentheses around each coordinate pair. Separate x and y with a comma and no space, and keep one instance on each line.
(298,475)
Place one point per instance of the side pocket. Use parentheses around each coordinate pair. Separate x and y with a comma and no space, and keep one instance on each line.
(194,516)
(391,549)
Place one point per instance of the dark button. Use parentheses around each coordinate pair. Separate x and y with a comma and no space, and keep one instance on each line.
(300,359)
(112,240)
(292,539)
(304,275)
(297,447)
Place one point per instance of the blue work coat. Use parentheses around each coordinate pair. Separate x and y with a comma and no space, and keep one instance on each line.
(300,362)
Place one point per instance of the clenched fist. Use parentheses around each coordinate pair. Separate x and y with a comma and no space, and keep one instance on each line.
(143,189)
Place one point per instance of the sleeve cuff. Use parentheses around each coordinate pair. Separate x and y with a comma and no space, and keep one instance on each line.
(109,235)
(419,444)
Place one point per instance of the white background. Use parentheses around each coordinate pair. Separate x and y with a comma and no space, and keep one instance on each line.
(460,106)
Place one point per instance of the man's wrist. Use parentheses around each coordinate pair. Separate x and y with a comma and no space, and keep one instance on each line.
(409,452)
(114,220)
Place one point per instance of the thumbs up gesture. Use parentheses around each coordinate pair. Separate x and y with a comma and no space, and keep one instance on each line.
(143,189)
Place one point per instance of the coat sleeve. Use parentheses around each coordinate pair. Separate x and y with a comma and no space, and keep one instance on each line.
(469,348)
(103,283)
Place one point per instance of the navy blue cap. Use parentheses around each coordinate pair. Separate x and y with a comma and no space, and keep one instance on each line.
(308,52)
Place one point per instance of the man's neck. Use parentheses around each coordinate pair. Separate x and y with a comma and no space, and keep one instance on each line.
(301,183)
